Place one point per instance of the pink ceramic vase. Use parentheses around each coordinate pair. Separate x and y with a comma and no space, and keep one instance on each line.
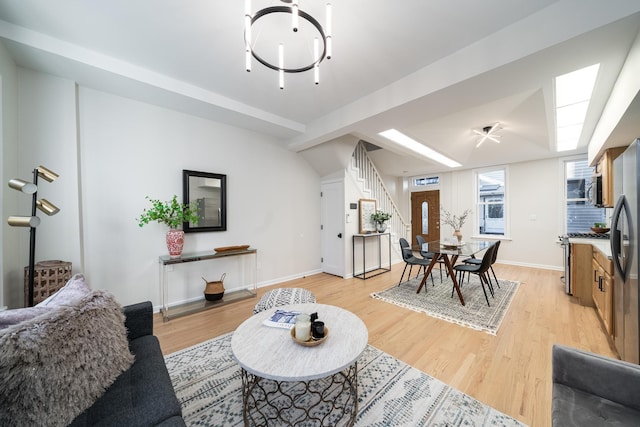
(175,241)
(458,234)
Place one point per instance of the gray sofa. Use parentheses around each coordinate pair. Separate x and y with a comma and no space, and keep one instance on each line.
(143,395)
(593,390)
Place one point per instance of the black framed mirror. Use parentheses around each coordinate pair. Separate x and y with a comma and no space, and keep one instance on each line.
(209,191)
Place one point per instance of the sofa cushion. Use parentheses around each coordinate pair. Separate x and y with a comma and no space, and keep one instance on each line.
(143,395)
(69,294)
(19,315)
(54,366)
(75,289)
(574,407)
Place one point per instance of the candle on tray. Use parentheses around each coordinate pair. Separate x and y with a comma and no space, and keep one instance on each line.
(303,327)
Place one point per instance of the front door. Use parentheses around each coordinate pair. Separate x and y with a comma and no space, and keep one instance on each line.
(425,215)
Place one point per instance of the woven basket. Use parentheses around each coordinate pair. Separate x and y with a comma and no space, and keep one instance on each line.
(214,290)
(48,278)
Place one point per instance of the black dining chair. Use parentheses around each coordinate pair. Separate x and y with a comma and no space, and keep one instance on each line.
(428,256)
(410,259)
(477,261)
(480,270)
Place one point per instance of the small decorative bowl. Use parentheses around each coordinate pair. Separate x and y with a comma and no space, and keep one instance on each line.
(600,229)
(312,341)
(231,248)
(452,245)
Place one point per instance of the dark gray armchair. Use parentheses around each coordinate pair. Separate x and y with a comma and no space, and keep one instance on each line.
(593,390)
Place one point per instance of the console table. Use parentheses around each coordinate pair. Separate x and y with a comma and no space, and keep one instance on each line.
(247,260)
(362,238)
(285,383)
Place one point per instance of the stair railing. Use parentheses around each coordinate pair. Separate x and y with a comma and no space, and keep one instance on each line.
(372,183)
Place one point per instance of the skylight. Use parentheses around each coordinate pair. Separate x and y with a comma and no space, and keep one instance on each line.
(573,94)
(421,149)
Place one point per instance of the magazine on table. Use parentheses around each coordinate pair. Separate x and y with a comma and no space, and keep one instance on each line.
(282,319)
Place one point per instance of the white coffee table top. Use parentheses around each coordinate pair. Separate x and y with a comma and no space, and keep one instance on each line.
(269,352)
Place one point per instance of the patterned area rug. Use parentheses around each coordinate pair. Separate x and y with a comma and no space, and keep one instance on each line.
(437,301)
(390,393)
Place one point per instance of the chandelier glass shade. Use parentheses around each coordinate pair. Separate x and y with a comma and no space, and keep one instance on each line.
(298,46)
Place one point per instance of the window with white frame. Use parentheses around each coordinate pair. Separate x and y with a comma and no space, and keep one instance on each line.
(580,214)
(491,202)
(425,181)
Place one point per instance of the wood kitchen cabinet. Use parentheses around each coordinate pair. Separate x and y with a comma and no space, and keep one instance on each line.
(604,168)
(602,288)
(580,264)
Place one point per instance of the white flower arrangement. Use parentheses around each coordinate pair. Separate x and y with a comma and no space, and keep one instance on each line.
(456,222)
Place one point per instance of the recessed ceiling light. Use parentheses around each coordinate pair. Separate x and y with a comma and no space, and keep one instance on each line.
(572,95)
(415,146)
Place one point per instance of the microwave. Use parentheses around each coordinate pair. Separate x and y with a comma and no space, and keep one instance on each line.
(595,192)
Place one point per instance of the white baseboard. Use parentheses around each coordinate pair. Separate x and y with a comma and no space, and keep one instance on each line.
(524,264)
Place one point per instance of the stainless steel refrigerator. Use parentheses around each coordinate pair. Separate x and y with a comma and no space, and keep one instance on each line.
(625,253)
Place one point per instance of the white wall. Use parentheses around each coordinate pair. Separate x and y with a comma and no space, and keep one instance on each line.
(535,190)
(47,136)
(115,151)
(10,248)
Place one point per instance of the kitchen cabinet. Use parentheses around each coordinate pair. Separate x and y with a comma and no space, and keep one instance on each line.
(580,275)
(602,288)
(604,168)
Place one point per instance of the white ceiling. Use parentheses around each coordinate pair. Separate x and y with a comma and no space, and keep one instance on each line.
(433,69)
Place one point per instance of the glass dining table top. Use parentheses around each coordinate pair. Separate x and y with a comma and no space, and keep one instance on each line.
(453,248)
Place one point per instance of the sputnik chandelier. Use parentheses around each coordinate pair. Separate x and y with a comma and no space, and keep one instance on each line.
(297,39)
(488,132)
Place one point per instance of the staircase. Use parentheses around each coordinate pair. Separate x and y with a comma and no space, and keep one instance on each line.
(366,174)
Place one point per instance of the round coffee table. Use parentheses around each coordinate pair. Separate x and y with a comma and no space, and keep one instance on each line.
(285,383)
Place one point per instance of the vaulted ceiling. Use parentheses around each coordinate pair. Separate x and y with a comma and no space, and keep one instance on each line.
(435,70)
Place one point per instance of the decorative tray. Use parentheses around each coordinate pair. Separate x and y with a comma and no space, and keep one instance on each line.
(312,342)
(453,245)
(231,248)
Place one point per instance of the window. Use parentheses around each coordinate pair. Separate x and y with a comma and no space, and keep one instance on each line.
(420,182)
(425,218)
(580,214)
(491,202)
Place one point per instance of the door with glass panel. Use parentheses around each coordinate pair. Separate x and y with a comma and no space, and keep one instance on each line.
(425,215)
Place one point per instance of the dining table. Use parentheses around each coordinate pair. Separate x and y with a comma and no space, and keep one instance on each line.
(449,251)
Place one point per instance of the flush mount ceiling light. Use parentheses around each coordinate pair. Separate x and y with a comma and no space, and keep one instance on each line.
(488,132)
(296,41)
(572,96)
(415,146)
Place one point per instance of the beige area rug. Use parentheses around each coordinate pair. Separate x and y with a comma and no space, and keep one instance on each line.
(208,384)
(437,301)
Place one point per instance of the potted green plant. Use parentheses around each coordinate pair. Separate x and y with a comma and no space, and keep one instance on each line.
(380,218)
(172,214)
(599,227)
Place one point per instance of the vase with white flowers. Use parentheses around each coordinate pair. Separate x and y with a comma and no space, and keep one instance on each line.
(172,214)
(455,221)
(380,218)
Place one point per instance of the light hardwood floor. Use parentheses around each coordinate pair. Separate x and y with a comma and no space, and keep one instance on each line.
(510,372)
